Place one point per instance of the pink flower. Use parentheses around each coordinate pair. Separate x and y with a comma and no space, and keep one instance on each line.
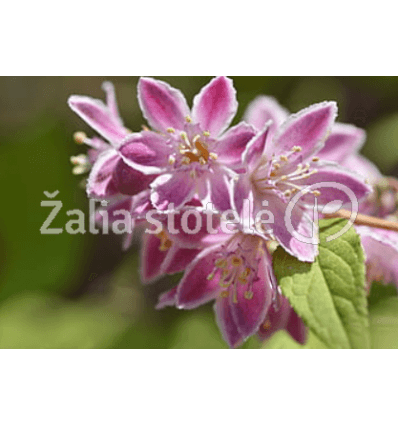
(380,245)
(170,249)
(188,149)
(281,316)
(283,160)
(162,254)
(109,176)
(237,273)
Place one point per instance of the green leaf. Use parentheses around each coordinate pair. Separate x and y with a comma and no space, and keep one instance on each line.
(384,324)
(282,340)
(329,294)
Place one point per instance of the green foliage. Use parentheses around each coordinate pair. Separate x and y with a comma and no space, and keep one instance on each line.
(382,146)
(329,294)
(37,161)
(384,323)
(33,320)
(282,340)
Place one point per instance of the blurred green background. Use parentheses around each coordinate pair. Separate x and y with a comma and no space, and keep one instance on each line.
(82,291)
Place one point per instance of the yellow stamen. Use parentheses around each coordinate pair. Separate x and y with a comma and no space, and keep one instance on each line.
(184,136)
(79,169)
(249,295)
(220,263)
(192,157)
(165,245)
(225,273)
(79,137)
(204,152)
(246,272)
(236,261)
(267,325)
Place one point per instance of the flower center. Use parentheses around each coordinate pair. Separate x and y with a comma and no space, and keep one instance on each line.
(237,265)
(284,173)
(192,147)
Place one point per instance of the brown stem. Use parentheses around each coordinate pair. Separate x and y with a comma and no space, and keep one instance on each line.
(365,220)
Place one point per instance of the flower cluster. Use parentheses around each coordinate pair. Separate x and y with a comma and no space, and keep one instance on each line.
(190,158)
(343,146)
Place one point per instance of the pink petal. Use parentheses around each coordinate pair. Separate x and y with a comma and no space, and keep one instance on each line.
(232,144)
(381,251)
(249,314)
(129,181)
(364,167)
(195,288)
(98,146)
(265,108)
(98,116)
(141,204)
(177,188)
(162,105)
(215,106)
(128,238)
(115,205)
(167,299)
(280,318)
(343,141)
(300,222)
(307,129)
(240,191)
(220,190)
(192,240)
(100,182)
(152,258)
(276,319)
(334,183)
(146,152)
(296,327)
(226,323)
(178,259)
(256,147)
(111,103)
